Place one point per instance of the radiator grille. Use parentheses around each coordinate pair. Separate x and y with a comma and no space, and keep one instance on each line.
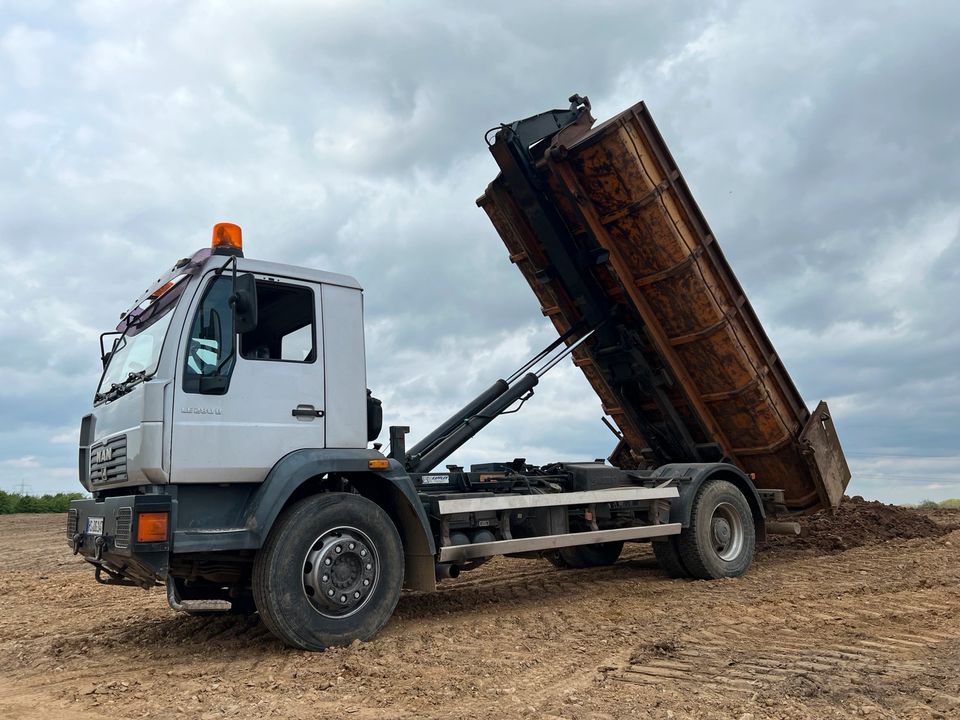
(108,461)
(73,521)
(124,522)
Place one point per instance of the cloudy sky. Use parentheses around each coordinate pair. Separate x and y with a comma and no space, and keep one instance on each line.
(821,139)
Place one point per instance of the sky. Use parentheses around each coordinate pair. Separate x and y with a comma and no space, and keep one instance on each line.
(821,140)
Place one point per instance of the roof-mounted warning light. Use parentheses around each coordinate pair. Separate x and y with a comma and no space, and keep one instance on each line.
(227,240)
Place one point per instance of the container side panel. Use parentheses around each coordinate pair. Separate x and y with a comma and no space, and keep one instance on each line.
(619,191)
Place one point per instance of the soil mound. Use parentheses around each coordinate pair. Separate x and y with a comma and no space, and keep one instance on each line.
(857,522)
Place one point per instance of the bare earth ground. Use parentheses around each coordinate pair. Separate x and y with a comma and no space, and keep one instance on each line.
(852,621)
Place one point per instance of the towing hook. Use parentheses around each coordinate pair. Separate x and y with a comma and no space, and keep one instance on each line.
(77,542)
(98,544)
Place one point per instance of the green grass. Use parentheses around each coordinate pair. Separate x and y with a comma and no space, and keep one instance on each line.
(14,503)
(952,504)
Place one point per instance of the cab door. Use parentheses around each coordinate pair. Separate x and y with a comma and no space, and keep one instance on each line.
(244,401)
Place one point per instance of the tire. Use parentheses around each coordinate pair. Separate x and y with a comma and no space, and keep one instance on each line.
(721,538)
(587,556)
(668,557)
(352,538)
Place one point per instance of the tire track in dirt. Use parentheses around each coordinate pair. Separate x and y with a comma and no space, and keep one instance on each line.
(876,644)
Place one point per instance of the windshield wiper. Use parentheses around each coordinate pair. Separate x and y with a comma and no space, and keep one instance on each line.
(122,388)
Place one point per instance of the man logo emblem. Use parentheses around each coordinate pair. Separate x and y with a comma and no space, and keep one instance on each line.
(103,455)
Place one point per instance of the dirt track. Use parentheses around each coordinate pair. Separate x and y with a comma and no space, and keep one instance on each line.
(812,631)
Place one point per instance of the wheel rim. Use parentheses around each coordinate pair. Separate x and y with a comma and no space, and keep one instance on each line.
(340,572)
(726,532)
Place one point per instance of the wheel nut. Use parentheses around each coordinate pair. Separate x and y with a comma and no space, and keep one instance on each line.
(366,582)
(363,553)
(352,545)
(330,592)
(356,594)
(325,578)
(326,561)
(338,548)
(369,566)
(343,598)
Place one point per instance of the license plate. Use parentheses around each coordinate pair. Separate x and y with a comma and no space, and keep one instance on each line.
(95,526)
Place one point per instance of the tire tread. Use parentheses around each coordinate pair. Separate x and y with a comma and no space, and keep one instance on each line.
(265,568)
(692,555)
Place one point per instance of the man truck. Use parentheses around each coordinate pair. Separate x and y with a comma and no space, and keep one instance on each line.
(232,455)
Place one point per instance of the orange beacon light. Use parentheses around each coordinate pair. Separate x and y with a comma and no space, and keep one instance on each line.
(227,239)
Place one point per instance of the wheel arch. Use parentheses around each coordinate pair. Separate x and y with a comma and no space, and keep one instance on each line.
(308,472)
(692,476)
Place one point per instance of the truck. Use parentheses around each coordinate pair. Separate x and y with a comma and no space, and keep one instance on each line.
(232,451)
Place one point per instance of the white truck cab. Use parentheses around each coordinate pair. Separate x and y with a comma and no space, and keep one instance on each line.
(182,392)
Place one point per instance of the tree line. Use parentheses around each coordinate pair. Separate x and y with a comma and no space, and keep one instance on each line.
(16,503)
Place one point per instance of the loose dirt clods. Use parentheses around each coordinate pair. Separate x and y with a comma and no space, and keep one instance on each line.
(860,522)
(812,631)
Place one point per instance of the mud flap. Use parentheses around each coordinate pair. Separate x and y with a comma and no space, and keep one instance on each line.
(821,449)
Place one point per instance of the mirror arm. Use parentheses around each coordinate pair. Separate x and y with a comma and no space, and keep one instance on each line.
(104,354)
(219,271)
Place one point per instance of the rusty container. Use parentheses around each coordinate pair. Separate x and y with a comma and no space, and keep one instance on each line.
(624,202)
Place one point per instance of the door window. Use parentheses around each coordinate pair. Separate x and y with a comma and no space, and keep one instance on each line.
(286,326)
(210,355)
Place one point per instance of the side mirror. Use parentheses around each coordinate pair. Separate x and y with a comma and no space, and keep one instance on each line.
(212,384)
(245,303)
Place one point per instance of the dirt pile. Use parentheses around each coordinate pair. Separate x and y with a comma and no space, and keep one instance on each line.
(855,523)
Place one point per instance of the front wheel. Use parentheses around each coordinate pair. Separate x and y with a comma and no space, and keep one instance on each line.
(330,572)
(721,539)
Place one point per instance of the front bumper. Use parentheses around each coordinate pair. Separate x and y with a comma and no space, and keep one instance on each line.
(114,549)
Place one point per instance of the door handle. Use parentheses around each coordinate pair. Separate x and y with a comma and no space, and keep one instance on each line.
(308,412)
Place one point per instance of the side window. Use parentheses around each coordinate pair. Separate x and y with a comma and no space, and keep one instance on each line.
(286,327)
(210,356)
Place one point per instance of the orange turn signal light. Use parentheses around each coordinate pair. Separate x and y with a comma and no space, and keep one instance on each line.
(378,464)
(227,236)
(152,526)
(161,290)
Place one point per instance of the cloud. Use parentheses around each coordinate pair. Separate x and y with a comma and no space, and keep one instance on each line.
(27,461)
(67,436)
(27,50)
(904,476)
(820,141)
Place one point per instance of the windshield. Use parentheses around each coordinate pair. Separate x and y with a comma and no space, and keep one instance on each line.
(137,352)
(142,329)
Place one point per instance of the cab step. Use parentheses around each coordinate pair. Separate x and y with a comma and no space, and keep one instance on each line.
(194,606)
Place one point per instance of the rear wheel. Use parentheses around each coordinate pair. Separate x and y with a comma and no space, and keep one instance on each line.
(330,572)
(721,538)
(585,556)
